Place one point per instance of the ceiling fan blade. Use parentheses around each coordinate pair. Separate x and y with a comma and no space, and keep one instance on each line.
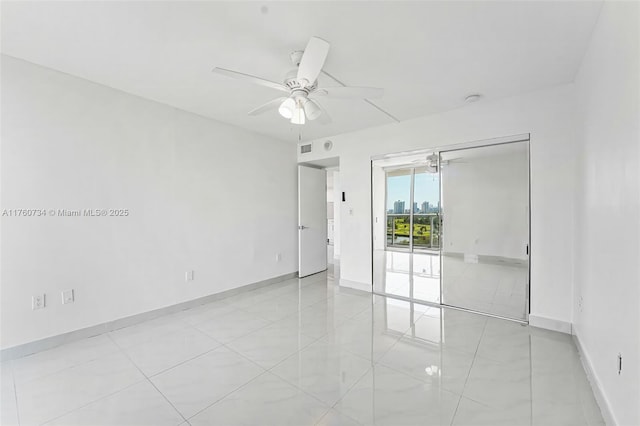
(324,118)
(318,92)
(273,104)
(251,79)
(351,92)
(312,61)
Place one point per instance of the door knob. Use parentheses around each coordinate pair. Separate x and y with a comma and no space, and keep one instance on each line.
(301,227)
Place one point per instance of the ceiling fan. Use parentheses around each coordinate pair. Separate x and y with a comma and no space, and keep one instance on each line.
(433,162)
(301,86)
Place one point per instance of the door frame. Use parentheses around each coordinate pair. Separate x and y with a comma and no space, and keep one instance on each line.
(303,226)
(329,164)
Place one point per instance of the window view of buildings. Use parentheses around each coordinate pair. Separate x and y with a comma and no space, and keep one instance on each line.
(424,211)
(425,207)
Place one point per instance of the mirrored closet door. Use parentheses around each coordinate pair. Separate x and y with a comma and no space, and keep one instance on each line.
(485,238)
(451,227)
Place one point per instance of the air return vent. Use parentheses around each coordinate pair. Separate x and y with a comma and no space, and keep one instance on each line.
(305,148)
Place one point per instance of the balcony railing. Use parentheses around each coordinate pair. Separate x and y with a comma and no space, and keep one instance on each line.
(426,230)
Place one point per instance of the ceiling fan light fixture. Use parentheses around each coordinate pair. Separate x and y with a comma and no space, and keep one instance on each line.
(312,110)
(287,108)
(298,116)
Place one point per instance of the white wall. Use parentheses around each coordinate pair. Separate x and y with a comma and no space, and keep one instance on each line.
(547,115)
(485,201)
(202,196)
(607,250)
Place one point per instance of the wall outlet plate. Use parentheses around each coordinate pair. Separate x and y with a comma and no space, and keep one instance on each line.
(67,297)
(38,302)
(189,275)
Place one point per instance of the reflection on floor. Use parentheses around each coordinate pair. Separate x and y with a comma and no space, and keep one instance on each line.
(412,275)
(491,285)
(306,352)
(333,263)
(494,285)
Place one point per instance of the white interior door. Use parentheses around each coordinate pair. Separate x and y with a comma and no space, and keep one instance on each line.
(312,220)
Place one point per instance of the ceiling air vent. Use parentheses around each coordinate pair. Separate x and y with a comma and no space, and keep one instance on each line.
(305,148)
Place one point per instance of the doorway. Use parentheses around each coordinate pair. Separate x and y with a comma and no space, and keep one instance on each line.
(318,217)
(451,227)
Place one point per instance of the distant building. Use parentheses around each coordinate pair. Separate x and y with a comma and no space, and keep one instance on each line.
(425,207)
(415,207)
(398,207)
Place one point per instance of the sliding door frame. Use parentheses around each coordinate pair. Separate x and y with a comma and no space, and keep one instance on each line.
(386,200)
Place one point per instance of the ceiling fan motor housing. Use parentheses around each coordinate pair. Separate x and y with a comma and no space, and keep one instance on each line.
(291,81)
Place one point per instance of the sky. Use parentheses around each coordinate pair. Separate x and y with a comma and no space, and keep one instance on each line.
(427,188)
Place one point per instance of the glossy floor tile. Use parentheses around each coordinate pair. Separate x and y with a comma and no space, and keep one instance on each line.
(323,371)
(137,405)
(196,384)
(412,275)
(267,400)
(305,352)
(493,285)
(387,397)
(48,397)
(8,402)
(164,352)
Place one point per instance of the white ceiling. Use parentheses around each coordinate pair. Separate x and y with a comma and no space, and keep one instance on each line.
(426,55)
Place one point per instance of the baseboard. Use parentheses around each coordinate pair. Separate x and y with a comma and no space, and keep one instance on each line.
(60,339)
(355,285)
(550,324)
(601,399)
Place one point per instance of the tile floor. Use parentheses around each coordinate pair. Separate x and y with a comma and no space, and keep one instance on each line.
(305,352)
(497,286)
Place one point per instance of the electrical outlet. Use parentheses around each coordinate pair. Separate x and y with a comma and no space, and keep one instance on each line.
(67,296)
(278,257)
(189,275)
(580,303)
(38,302)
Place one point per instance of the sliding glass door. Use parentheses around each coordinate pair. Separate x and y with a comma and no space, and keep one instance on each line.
(426,216)
(413,209)
(399,184)
(407,201)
